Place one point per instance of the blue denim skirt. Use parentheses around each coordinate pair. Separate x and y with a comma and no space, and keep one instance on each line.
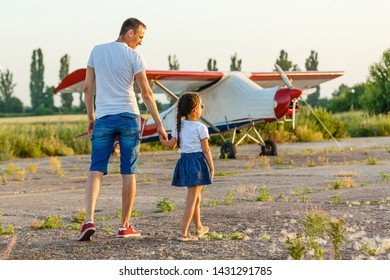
(191,170)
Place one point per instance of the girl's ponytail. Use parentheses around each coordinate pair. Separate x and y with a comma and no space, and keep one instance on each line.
(185,105)
(178,121)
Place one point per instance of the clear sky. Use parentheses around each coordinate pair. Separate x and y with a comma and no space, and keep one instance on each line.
(349,35)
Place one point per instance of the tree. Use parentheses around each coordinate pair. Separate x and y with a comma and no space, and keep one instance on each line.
(212,65)
(347,98)
(66,98)
(8,103)
(286,64)
(6,85)
(235,64)
(14,105)
(377,96)
(37,83)
(283,61)
(173,63)
(311,64)
(42,100)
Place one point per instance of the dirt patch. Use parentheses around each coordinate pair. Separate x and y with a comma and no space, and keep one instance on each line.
(301,178)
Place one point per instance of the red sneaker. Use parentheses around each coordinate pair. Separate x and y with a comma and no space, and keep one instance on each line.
(86,232)
(128,232)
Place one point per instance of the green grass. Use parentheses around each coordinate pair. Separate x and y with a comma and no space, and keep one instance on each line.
(361,124)
(43,136)
(51,222)
(9,229)
(165,205)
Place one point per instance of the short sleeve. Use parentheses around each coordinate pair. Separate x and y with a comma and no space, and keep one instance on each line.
(139,64)
(203,131)
(90,59)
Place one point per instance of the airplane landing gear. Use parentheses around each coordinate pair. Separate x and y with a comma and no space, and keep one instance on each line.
(228,150)
(268,149)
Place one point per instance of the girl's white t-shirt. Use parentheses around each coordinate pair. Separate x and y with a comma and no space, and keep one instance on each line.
(191,134)
(115,65)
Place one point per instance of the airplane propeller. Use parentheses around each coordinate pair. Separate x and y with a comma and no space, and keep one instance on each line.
(284,77)
(288,83)
(294,100)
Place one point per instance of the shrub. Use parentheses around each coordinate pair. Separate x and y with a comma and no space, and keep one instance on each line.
(165,205)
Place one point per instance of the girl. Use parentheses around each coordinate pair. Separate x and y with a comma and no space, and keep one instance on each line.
(195,167)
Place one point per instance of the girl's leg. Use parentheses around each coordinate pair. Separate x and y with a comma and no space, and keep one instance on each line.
(192,196)
(196,216)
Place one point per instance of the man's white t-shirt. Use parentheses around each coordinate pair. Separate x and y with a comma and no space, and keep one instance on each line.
(115,65)
(191,134)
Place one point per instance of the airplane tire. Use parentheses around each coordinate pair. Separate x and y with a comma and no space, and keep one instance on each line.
(228,150)
(269,149)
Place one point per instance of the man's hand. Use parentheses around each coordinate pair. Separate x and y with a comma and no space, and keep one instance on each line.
(90,126)
(162,133)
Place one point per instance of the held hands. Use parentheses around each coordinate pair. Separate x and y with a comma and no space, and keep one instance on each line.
(162,139)
(162,134)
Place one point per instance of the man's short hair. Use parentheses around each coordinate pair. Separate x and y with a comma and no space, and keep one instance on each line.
(131,23)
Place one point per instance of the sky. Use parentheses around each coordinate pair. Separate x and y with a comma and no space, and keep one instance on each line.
(348,35)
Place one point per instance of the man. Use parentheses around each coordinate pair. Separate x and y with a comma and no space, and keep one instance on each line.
(112,68)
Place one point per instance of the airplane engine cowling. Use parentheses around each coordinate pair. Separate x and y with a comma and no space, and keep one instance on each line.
(283,98)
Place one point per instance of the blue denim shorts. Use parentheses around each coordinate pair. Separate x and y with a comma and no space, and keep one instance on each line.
(126,127)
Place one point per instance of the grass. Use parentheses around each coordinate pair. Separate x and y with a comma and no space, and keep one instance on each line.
(51,222)
(385,177)
(165,205)
(360,124)
(346,182)
(79,216)
(44,119)
(46,136)
(223,236)
(316,229)
(264,196)
(229,199)
(9,229)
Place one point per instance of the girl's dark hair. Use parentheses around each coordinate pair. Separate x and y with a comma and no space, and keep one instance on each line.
(131,23)
(187,102)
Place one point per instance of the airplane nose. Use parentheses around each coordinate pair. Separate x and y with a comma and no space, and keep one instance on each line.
(295,93)
(283,98)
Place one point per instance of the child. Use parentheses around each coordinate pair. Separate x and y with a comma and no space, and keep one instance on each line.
(195,167)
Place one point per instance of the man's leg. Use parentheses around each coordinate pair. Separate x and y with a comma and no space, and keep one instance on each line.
(91,193)
(128,194)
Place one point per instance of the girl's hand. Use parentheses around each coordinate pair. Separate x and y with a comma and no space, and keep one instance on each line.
(161,138)
(212,174)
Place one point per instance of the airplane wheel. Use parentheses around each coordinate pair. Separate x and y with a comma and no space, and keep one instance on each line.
(228,150)
(269,149)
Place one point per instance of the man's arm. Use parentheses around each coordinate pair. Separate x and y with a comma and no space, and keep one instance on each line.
(148,99)
(89,87)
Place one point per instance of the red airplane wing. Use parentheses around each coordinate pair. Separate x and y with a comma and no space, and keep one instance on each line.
(176,81)
(181,81)
(301,80)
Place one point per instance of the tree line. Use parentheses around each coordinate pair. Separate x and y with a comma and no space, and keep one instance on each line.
(372,95)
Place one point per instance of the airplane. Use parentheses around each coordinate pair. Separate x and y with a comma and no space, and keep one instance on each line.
(233,100)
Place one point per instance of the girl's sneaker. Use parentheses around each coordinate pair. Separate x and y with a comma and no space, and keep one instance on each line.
(202,232)
(188,237)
